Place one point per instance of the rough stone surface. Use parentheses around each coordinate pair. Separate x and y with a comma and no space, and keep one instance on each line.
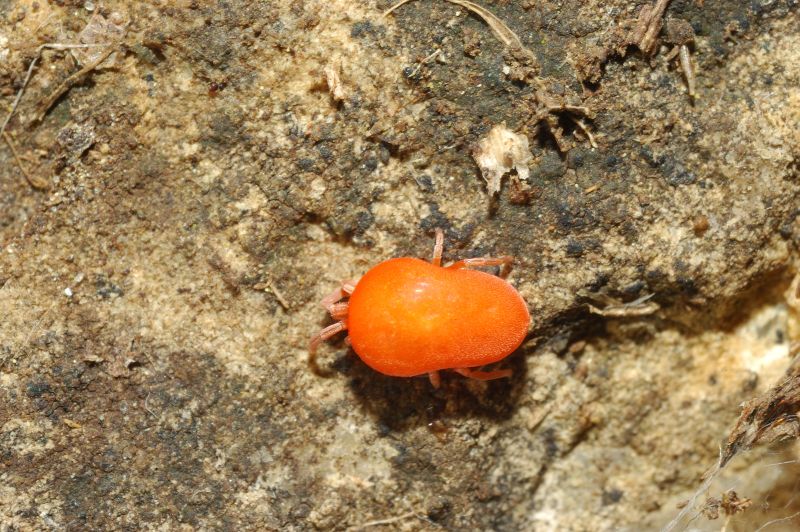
(206,190)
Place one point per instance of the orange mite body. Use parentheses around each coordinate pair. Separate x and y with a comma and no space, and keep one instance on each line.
(408,317)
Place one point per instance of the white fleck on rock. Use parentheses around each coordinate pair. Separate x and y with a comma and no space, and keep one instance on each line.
(498,153)
(97,33)
(4,51)
(334,80)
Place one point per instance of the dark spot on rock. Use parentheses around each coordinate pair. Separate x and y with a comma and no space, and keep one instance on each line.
(687,285)
(425,183)
(362,28)
(575,158)
(599,282)
(306,164)
(106,289)
(371,164)
(551,166)
(574,248)
(550,443)
(222,130)
(385,152)
(325,152)
(37,389)
(633,289)
(436,219)
(438,509)
(300,511)
(411,73)
(568,217)
(678,175)
(655,276)
(651,158)
(611,496)
(364,220)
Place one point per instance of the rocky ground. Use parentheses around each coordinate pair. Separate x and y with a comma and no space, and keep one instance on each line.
(203,173)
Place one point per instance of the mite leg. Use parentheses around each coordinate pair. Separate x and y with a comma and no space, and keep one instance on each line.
(437,248)
(324,334)
(339,311)
(345,289)
(504,261)
(484,375)
(435,378)
(349,286)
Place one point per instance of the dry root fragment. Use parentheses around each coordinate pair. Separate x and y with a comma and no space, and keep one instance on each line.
(498,153)
(636,308)
(498,27)
(67,84)
(35,181)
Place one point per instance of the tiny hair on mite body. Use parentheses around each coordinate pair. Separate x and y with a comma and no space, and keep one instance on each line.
(407,317)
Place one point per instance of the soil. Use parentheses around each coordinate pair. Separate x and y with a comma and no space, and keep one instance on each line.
(201,189)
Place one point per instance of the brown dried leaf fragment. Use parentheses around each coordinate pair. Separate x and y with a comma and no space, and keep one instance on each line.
(498,153)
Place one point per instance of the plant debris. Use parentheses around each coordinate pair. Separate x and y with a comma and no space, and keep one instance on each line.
(616,309)
(648,26)
(730,503)
(498,153)
(498,27)
(769,418)
(642,33)
(70,81)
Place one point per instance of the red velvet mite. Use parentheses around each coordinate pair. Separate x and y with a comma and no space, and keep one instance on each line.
(408,317)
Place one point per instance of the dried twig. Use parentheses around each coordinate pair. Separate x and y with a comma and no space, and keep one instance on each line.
(586,132)
(70,81)
(427,59)
(42,48)
(649,25)
(278,295)
(34,181)
(637,308)
(688,71)
(779,520)
(498,27)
